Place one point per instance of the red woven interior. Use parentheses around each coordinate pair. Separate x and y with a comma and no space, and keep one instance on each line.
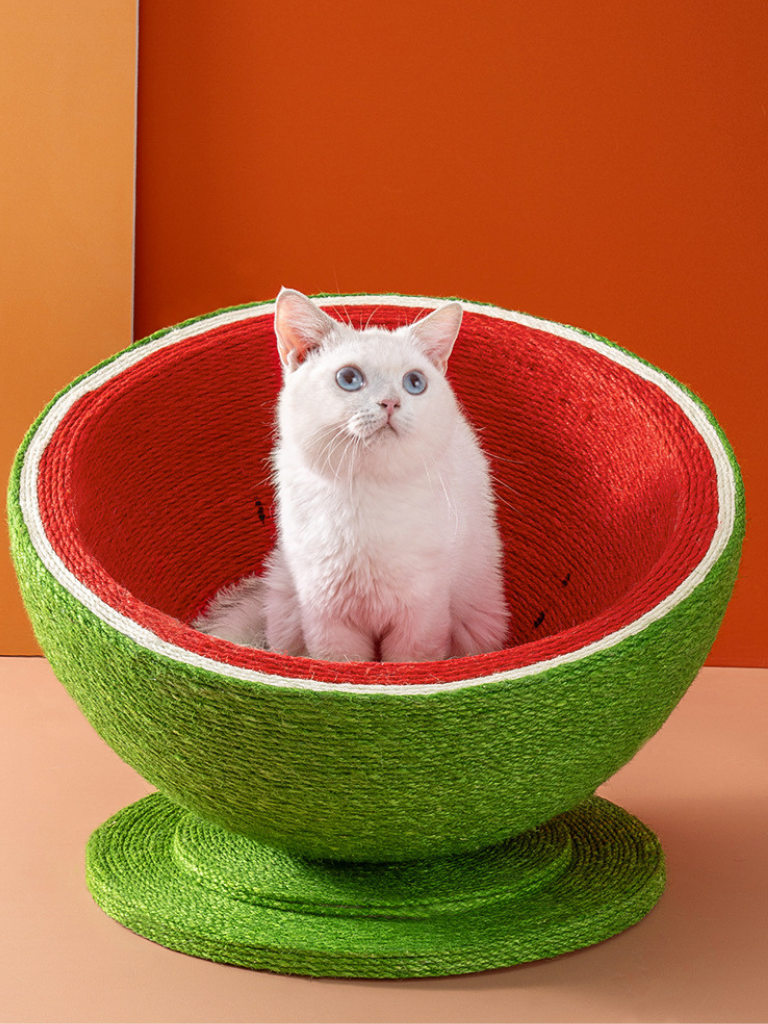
(155,488)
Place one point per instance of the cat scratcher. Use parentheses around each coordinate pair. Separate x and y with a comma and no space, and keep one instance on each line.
(376,820)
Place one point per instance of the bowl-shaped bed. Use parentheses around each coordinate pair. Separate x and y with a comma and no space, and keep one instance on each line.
(145,486)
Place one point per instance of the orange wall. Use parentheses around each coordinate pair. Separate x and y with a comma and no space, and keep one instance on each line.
(67,108)
(597,163)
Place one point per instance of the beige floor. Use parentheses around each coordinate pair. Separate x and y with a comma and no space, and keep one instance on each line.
(701,955)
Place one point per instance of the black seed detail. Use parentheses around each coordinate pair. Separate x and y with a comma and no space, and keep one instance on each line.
(260,512)
(566,580)
(539,620)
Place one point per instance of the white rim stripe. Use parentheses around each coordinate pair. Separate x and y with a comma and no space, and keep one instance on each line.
(145,638)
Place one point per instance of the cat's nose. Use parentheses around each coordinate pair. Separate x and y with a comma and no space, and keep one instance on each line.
(390,404)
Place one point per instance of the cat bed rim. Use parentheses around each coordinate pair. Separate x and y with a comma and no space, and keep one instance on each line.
(46,426)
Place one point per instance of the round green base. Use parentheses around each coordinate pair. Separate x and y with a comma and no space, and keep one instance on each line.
(193,887)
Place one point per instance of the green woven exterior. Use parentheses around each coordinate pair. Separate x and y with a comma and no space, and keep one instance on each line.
(369,775)
(366,833)
(584,877)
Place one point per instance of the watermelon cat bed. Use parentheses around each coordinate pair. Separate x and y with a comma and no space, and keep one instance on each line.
(368,819)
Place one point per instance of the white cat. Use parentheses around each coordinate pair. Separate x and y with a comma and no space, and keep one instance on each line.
(387,544)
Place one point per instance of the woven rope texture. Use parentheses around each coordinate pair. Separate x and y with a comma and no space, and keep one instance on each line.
(587,875)
(144,486)
(609,498)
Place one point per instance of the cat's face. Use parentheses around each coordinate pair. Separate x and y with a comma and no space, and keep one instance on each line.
(372,402)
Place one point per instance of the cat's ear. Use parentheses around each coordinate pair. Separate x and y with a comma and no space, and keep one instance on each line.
(300,326)
(436,333)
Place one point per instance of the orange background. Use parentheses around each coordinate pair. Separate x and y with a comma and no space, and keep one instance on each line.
(67,124)
(594,162)
(597,163)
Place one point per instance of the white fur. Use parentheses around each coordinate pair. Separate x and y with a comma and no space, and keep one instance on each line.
(387,544)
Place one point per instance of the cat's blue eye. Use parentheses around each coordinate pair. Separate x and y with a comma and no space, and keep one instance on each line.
(350,378)
(415,382)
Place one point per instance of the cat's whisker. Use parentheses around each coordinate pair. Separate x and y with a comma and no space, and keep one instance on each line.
(495,457)
(426,454)
(497,484)
(423,454)
(373,314)
(500,482)
(345,445)
(337,439)
(354,445)
(348,317)
(358,443)
(502,501)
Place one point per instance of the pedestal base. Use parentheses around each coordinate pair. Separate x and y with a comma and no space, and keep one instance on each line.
(199,889)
